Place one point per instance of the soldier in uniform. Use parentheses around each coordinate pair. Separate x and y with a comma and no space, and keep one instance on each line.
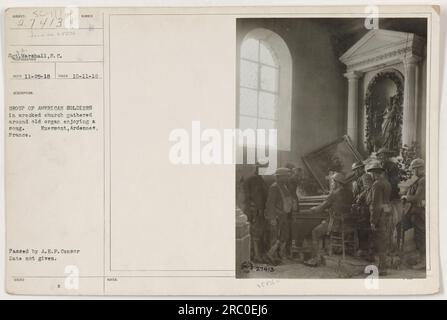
(361,188)
(280,203)
(292,185)
(380,212)
(340,202)
(295,177)
(415,216)
(255,191)
(391,170)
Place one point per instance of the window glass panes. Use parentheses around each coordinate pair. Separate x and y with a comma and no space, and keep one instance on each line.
(266,56)
(248,102)
(247,122)
(249,74)
(250,49)
(267,105)
(266,124)
(259,76)
(269,78)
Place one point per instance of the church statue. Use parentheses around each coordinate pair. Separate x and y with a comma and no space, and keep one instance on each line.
(391,125)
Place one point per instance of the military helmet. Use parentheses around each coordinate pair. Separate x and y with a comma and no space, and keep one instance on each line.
(262,163)
(289,166)
(417,163)
(374,166)
(339,177)
(357,164)
(282,172)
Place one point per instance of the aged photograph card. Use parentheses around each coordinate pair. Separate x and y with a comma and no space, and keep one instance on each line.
(222,150)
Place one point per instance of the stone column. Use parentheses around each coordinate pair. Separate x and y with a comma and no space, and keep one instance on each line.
(409,125)
(353,101)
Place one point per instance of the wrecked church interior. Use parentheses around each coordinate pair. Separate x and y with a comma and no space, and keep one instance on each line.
(348,105)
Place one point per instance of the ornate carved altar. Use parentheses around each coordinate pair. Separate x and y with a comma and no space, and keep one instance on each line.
(385,90)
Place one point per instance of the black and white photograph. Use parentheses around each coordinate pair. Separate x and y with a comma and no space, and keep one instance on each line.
(340,188)
(226,150)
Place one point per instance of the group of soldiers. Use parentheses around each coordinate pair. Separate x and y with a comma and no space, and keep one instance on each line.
(269,210)
(366,197)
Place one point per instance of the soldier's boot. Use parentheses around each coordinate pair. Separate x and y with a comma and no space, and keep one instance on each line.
(277,255)
(421,265)
(316,260)
(322,260)
(382,265)
(270,255)
(283,253)
(312,262)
